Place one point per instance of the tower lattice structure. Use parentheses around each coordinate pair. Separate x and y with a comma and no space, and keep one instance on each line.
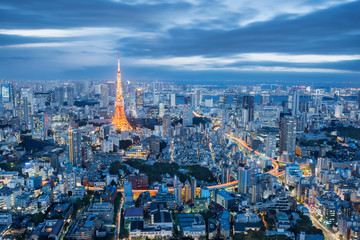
(120,122)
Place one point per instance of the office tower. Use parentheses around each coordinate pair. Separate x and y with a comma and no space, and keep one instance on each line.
(223,100)
(7,94)
(358,99)
(193,189)
(187,116)
(39,125)
(225,174)
(287,135)
(104,96)
(128,192)
(120,122)
(156,99)
(248,104)
(270,145)
(265,99)
(172,100)
(237,102)
(161,110)
(25,111)
(59,95)
(139,98)
(304,107)
(300,122)
(70,96)
(295,103)
(112,88)
(75,147)
(243,180)
(198,98)
(167,126)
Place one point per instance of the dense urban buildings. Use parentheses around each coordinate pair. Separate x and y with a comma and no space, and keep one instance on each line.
(81,161)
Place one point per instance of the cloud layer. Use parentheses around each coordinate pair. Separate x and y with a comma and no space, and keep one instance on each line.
(168,40)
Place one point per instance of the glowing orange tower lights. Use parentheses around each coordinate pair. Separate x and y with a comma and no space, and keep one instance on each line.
(120,122)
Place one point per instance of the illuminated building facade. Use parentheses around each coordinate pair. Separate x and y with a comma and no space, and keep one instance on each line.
(75,147)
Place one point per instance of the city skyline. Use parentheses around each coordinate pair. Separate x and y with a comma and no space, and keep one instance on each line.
(182,42)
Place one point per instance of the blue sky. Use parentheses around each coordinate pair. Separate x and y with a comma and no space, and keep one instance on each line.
(192,41)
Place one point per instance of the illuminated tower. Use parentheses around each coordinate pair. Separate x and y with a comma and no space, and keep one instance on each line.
(120,121)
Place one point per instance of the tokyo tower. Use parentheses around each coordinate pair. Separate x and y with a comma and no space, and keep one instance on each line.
(119,120)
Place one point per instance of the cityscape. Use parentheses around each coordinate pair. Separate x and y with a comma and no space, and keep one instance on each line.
(207,149)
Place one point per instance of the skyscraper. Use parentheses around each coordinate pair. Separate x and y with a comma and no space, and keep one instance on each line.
(193,189)
(270,145)
(187,196)
(120,121)
(166,126)
(172,100)
(225,174)
(287,134)
(75,147)
(243,180)
(39,125)
(187,116)
(104,97)
(295,103)
(248,104)
(139,98)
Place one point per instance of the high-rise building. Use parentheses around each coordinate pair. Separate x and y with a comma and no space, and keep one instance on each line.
(270,145)
(104,97)
(172,100)
(248,104)
(287,135)
(139,98)
(70,95)
(7,94)
(120,122)
(167,126)
(237,102)
(75,147)
(198,98)
(59,95)
(25,111)
(178,192)
(39,125)
(193,185)
(243,180)
(187,116)
(187,195)
(161,109)
(225,174)
(295,103)
(223,100)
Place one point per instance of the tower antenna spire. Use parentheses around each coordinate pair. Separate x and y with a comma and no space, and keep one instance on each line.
(118,63)
(119,120)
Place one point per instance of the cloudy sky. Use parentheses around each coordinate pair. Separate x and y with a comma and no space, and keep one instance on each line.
(192,41)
